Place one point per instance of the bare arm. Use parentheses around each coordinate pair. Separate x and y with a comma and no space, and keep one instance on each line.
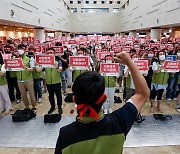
(142,90)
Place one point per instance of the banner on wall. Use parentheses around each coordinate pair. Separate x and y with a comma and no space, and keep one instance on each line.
(172,66)
(79,62)
(109,69)
(46,61)
(13,64)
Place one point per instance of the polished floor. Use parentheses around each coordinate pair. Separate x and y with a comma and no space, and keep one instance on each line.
(68,108)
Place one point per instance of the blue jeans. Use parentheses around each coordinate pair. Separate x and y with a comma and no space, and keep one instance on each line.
(172,87)
(63,79)
(37,88)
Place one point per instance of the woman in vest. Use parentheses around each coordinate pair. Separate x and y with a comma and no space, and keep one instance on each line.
(5,102)
(129,84)
(159,81)
(25,79)
(110,84)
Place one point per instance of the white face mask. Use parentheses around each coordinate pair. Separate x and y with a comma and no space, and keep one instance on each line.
(21,52)
(135,59)
(178,54)
(108,61)
(150,55)
(162,57)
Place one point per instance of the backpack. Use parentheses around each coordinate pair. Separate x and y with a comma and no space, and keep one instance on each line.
(68,98)
(117,99)
(23,115)
(52,118)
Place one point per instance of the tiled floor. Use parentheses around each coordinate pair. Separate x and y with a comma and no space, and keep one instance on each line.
(167,106)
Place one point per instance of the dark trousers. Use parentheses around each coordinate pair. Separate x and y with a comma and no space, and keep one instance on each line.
(37,88)
(55,89)
(12,84)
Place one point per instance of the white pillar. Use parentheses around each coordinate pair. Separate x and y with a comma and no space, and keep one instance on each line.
(155,34)
(122,34)
(132,33)
(40,34)
(68,34)
(58,34)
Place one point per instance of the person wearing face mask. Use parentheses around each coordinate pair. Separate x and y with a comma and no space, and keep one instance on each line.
(25,78)
(159,81)
(37,76)
(53,82)
(129,84)
(5,103)
(110,83)
(77,72)
(151,59)
(11,77)
(172,83)
(65,62)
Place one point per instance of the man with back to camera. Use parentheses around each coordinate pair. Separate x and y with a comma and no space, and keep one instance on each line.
(92,132)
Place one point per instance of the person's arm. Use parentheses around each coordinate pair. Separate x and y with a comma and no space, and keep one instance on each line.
(142,90)
(58,66)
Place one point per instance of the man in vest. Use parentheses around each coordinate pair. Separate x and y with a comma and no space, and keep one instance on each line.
(96,133)
(25,79)
(53,82)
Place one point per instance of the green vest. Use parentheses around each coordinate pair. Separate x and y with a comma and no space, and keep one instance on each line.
(52,76)
(160,78)
(110,81)
(13,74)
(128,81)
(36,75)
(2,79)
(24,75)
(77,73)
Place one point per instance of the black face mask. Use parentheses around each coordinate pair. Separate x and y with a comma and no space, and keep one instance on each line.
(7,52)
(31,54)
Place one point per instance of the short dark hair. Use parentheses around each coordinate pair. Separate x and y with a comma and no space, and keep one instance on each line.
(88,88)
(58,44)
(20,46)
(51,49)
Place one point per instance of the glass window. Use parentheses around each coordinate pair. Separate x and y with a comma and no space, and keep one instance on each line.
(94,2)
(93,10)
(71,2)
(87,2)
(79,2)
(74,10)
(118,2)
(115,10)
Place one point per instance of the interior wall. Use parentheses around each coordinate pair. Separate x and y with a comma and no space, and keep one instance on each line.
(51,14)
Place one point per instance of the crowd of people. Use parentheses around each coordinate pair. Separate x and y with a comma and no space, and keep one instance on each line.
(34,79)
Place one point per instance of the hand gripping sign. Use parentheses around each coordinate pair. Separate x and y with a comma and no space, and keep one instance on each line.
(79,62)
(46,61)
(172,66)
(109,69)
(13,64)
(142,65)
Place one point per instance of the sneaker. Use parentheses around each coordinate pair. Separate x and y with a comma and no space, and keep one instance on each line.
(34,110)
(169,99)
(18,101)
(39,100)
(110,110)
(7,112)
(2,111)
(175,99)
(51,110)
(105,111)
